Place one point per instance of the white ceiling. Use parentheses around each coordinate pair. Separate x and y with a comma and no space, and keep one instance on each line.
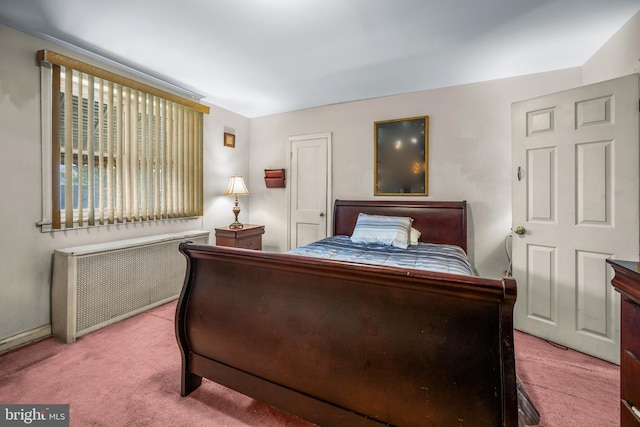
(259,57)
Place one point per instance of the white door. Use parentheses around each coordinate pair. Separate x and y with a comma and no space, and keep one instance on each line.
(575,194)
(309,194)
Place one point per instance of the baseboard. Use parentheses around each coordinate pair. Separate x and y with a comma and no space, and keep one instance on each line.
(24,338)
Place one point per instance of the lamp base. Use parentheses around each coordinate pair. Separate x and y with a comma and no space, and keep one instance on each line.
(236,211)
(235,225)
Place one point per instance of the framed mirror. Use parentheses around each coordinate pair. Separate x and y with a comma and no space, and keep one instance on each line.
(401,163)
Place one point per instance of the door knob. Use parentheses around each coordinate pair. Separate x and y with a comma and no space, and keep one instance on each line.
(321,213)
(519,230)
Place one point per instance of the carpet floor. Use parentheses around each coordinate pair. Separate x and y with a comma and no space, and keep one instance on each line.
(569,388)
(111,378)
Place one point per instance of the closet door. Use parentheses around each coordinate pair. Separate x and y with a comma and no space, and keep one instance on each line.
(309,189)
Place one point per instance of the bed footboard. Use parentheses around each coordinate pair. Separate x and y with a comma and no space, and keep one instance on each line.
(344,344)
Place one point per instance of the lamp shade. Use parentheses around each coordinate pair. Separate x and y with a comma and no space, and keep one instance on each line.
(236,186)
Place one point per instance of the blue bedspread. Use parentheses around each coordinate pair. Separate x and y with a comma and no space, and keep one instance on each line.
(424,256)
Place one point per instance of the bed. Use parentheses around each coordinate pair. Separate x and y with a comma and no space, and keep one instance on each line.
(342,343)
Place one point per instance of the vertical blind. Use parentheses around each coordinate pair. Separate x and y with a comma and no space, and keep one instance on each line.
(121,151)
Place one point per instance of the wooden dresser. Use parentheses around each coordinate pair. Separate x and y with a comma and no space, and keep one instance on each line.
(627,281)
(248,237)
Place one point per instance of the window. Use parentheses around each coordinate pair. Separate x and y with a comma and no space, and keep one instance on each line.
(120,151)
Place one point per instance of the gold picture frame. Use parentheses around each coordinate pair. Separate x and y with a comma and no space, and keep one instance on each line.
(229,140)
(401,157)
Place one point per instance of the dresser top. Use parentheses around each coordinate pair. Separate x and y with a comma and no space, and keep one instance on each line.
(632,266)
(627,278)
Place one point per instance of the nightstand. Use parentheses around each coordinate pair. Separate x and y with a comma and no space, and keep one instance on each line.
(248,237)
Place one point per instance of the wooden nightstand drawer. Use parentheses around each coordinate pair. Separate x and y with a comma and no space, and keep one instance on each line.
(250,243)
(248,237)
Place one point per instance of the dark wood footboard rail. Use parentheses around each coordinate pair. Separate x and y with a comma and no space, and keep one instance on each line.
(341,344)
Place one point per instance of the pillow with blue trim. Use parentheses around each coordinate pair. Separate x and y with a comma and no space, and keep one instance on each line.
(383,230)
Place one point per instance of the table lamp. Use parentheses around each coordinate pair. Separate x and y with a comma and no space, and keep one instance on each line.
(236,186)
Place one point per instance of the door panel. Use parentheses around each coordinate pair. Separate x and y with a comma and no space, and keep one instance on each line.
(594,300)
(541,181)
(541,262)
(594,183)
(577,199)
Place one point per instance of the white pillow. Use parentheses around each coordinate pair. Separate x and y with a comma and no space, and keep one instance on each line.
(414,236)
(384,230)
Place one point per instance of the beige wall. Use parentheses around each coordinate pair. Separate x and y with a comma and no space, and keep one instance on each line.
(620,56)
(25,252)
(469,153)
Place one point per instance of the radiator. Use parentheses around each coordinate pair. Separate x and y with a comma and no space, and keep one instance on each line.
(96,285)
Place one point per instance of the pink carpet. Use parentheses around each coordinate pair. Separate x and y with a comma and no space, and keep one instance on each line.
(128,374)
(569,388)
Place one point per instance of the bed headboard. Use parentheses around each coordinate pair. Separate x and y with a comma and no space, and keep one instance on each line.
(439,222)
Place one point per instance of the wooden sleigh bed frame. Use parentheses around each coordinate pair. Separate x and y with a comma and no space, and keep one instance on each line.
(343,344)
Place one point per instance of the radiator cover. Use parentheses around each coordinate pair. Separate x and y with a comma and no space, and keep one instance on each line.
(96,285)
